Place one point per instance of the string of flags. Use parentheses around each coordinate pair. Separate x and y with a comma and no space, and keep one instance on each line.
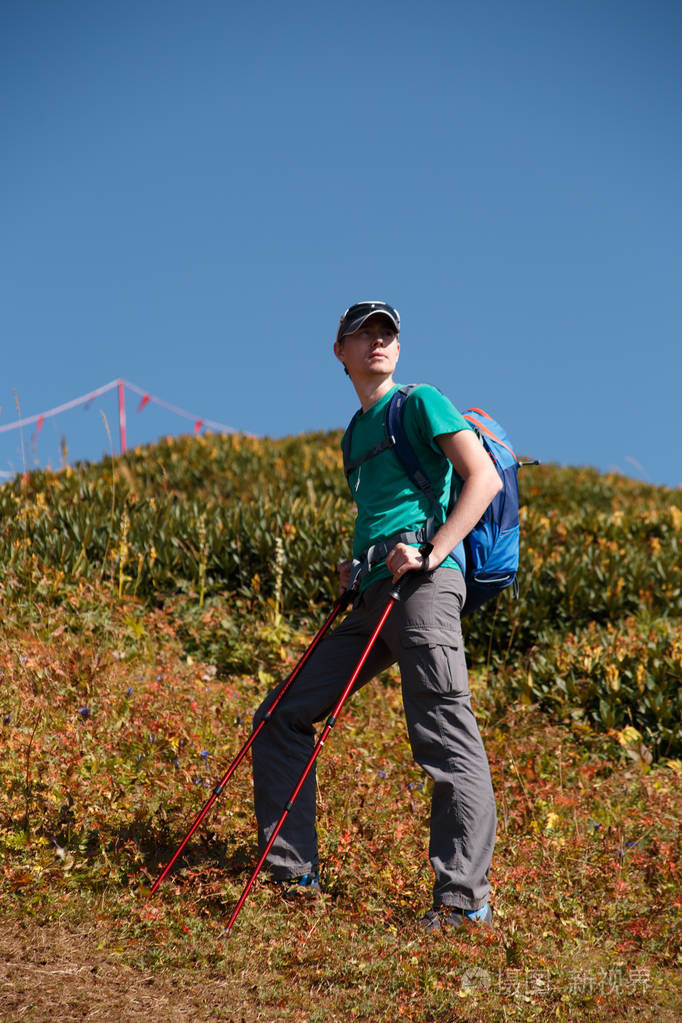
(120,385)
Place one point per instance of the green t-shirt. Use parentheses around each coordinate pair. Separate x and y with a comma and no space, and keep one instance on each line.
(387,501)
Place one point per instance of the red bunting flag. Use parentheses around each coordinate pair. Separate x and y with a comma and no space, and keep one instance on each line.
(86,400)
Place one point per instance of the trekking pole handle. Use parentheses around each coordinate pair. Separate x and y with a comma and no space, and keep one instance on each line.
(348,595)
(424,550)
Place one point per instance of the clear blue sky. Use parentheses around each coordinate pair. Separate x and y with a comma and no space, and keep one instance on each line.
(193,192)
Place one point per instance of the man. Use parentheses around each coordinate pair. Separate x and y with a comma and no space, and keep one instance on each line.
(422,633)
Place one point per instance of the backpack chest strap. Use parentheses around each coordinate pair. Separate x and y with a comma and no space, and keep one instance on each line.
(349,467)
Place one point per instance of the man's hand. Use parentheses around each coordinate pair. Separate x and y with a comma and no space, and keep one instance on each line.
(404,558)
(344,570)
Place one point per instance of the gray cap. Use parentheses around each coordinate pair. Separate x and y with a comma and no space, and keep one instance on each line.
(355,316)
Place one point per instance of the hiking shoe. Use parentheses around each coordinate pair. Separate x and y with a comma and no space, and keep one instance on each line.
(452,916)
(306,884)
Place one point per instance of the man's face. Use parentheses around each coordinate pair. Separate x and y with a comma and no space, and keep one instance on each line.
(370,351)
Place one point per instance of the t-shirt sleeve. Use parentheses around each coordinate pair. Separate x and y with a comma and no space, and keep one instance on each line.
(429,414)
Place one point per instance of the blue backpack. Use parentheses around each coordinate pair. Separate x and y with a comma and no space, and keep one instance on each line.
(489,555)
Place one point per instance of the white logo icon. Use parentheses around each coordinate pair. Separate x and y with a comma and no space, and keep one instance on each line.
(475,979)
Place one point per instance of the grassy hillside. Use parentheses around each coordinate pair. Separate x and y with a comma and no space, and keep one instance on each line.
(147,606)
(212,528)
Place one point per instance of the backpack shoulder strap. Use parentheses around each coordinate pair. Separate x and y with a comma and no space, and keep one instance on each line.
(392,424)
(407,457)
(395,437)
(345,446)
(404,452)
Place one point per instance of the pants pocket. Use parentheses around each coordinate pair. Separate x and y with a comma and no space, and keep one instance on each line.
(432,660)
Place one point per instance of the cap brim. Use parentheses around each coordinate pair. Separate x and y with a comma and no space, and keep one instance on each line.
(355,324)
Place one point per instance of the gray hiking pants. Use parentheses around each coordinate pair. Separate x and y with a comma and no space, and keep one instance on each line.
(423,635)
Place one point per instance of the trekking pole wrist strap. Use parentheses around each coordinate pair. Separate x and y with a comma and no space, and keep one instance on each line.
(425,550)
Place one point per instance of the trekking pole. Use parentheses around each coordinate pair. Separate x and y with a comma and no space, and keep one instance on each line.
(331,721)
(340,603)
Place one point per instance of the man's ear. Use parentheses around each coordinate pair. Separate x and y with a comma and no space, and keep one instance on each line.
(338,350)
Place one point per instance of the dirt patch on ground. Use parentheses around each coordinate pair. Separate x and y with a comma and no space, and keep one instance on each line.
(55,974)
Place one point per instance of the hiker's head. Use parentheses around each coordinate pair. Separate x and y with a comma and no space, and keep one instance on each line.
(367,325)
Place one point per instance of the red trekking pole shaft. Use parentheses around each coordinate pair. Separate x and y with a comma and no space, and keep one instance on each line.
(318,747)
(340,603)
